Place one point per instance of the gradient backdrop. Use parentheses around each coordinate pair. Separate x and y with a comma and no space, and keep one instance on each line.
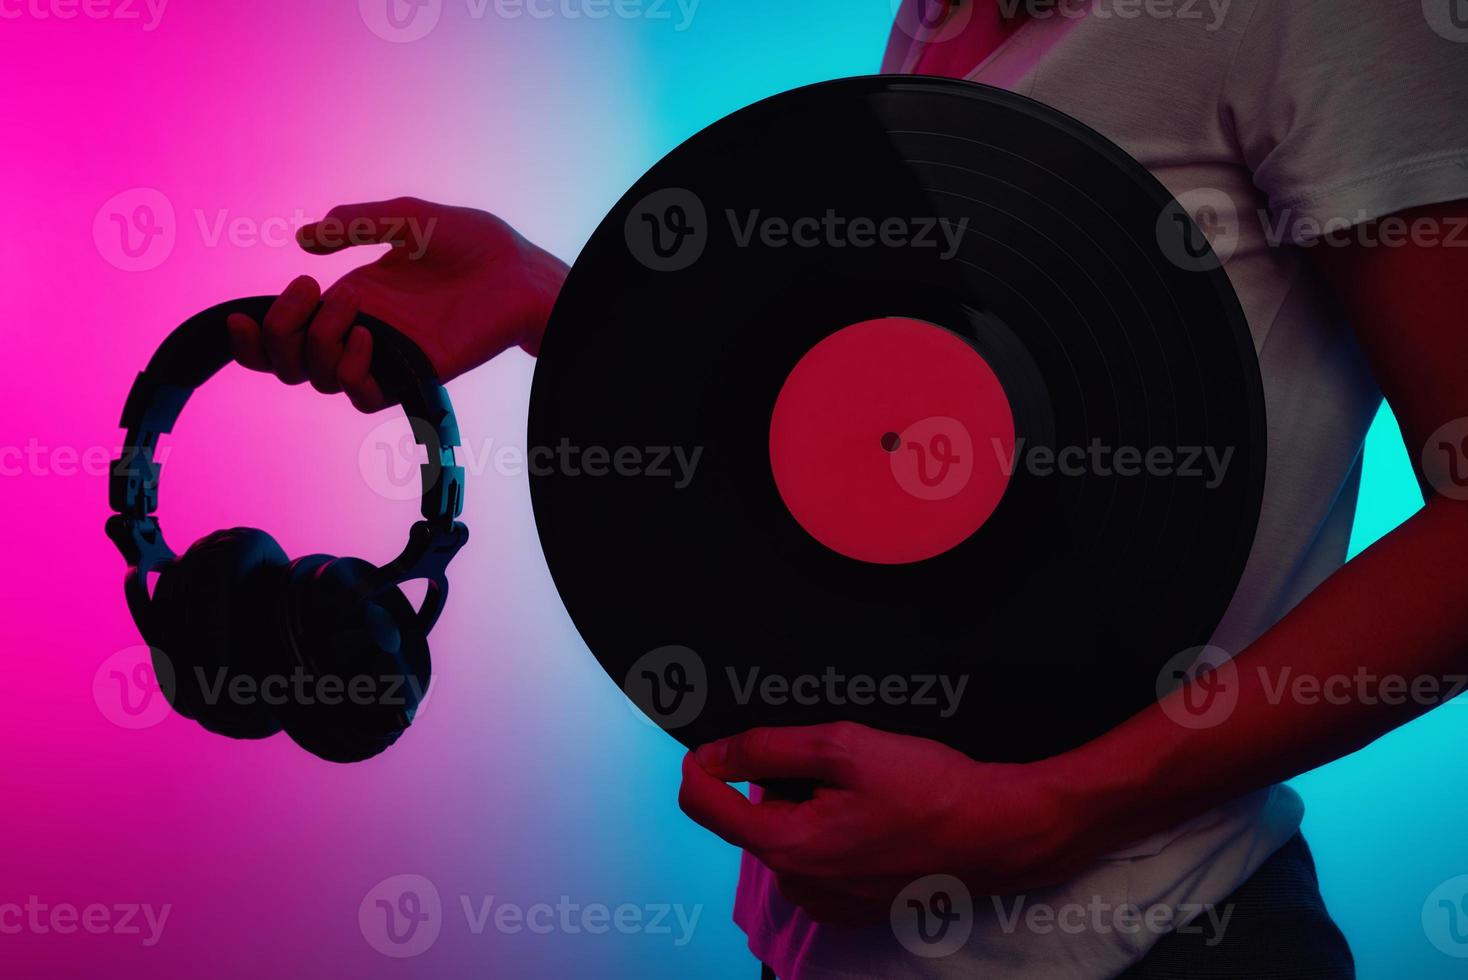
(529,778)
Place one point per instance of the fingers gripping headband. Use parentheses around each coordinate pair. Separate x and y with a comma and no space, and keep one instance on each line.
(190,356)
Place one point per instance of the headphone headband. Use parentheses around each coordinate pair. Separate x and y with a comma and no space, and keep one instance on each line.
(194,353)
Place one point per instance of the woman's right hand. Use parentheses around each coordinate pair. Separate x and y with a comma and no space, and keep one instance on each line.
(461,283)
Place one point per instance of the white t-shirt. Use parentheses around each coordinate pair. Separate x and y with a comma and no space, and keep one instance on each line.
(1285,117)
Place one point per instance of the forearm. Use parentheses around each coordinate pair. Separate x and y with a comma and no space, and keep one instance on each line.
(1380,642)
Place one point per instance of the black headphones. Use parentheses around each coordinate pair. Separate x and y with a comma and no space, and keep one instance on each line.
(248,642)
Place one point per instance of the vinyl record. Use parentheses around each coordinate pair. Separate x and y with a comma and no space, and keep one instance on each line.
(900,400)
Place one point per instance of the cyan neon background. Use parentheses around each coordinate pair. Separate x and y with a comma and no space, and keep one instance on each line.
(528,777)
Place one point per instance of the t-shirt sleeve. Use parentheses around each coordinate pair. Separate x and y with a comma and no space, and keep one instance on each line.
(1349,110)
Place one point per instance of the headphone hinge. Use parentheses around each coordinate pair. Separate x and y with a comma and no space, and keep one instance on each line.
(431,546)
(140,540)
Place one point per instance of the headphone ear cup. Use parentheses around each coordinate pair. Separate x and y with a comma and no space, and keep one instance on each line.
(210,617)
(366,660)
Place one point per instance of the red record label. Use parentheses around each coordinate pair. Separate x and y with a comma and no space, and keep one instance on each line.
(892,441)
